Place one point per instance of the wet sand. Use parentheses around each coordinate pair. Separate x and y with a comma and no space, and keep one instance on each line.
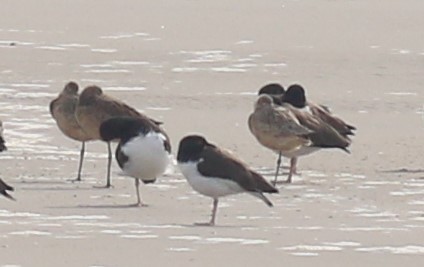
(197,67)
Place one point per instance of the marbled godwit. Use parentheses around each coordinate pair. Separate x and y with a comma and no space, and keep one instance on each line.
(143,150)
(94,107)
(62,110)
(215,173)
(291,132)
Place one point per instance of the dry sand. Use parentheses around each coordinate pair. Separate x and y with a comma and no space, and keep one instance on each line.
(196,65)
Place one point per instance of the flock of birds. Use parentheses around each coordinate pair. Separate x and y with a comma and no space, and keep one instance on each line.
(282,120)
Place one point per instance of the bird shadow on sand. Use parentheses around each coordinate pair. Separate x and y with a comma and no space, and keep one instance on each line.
(403,170)
(216,226)
(101,206)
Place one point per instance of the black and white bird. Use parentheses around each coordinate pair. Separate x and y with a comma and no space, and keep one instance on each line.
(143,151)
(215,173)
(4,188)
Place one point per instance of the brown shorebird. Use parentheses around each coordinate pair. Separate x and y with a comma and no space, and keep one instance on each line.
(291,132)
(4,188)
(62,110)
(94,107)
(2,141)
(296,97)
(143,150)
(215,173)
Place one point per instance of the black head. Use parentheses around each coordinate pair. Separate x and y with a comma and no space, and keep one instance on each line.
(295,95)
(272,89)
(191,147)
(123,128)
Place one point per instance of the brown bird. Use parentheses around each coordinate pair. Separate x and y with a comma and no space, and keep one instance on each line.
(291,132)
(62,110)
(296,96)
(4,188)
(94,107)
(215,173)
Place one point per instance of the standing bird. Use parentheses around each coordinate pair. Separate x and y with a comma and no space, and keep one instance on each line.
(4,188)
(291,132)
(62,110)
(215,173)
(94,108)
(296,97)
(143,150)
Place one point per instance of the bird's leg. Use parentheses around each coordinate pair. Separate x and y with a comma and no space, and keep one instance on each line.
(81,160)
(214,209)
(137,188)
(109,163)
(293,162)
(278,168)
(78,179)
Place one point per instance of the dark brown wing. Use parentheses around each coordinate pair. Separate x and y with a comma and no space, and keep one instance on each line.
(4,188)
(323,134)
(338,124)
(217,163)
(116,107)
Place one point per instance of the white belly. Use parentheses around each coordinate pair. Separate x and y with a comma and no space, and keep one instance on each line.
(209,186)
(147,157)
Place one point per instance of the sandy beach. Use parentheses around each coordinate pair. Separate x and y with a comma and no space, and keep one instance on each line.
(197,66)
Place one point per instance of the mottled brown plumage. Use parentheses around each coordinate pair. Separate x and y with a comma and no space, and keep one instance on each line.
(94,107)
(62,110)
(276,127)
(292,132)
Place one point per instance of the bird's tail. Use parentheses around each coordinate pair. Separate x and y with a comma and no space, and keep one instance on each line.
(261,196)
(4,188)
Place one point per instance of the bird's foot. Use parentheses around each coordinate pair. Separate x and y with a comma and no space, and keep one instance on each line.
(141,204)
(103,186)
(78,179)
(205,224)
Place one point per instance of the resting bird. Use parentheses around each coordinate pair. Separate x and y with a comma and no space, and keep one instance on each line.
(62,110)
(275,90)
(215,173)
(94,107)
(143,150)
(291,132)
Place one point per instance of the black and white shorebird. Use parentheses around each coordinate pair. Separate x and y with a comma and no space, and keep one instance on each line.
(143,151)
(292,129)
(94,107)
(275,90)
(2,141)
(62,110)
(215,173)
(4,188)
